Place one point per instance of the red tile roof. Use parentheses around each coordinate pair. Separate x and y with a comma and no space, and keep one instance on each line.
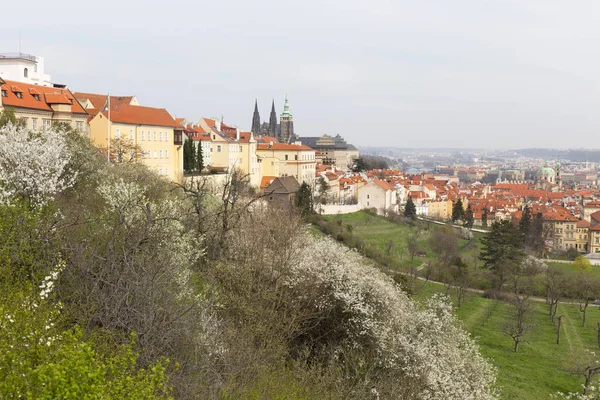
(383,184)
(51,95)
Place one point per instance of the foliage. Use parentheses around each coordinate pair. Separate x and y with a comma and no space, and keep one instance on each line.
(484,215)
(458,210)
(469,219)
(189,155)
(303,199)
(199,158)
(33,166)
(503,250)
(7,116)
(410,210)
(582,264)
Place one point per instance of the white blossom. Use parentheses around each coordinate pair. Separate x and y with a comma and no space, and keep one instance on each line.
(33,165)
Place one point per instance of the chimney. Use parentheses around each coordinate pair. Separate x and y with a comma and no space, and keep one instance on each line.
(271,144)
(237,134)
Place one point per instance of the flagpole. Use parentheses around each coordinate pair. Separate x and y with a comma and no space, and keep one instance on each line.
(108,153)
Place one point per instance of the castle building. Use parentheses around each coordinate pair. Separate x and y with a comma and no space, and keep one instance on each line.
(286,121)
(283,131)
(24,68)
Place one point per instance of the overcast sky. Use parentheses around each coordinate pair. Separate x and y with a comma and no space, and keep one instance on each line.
(460,73)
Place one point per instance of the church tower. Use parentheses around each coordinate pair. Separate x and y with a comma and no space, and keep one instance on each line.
(256,119)
(287,123)
(273,131)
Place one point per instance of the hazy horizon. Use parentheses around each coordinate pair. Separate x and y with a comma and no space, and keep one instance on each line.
(469,74)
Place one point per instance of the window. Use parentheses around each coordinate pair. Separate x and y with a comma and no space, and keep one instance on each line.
(155,136)
(160,152)
(3,93)
(166,136)
(36,97)
(286,157)
(155,154)
(26,73)
(166,153)
(166,171)
(218,148)
(368,196)
(19,95)
(160,136)
(296,157)
(118,134)
(131,154)
(143,136)
(272,163)
(34,123)
(79,126)
(131,134)
(160,171)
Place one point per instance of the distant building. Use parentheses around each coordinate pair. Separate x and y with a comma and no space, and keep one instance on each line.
(281,191)
(332,150)
(23,68)
(282,131)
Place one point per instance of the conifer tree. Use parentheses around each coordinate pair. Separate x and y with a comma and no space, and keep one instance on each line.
(457,210)
(410,210)
(469,219)
(525,226)
(303,199)
(186,155)
(199,158)
(484,222)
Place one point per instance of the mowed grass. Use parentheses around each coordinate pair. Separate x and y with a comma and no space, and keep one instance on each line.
(389,236)
(569,270)
(539,368)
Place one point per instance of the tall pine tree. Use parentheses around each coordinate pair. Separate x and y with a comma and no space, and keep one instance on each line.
(457,210)
(469,219)
(503,250)
(199,158)
(410,210)
(186,155)
(484,215)
(525,226)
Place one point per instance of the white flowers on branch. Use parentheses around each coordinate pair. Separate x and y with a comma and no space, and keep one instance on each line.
(426,347)
(33,165)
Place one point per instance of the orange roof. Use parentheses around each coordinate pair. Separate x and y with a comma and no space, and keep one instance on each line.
(282,146)
(583,224)
(135,115)
(27,100)
(98,101)
(266,181)
(383,184)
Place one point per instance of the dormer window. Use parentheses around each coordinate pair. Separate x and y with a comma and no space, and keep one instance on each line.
(19,95)
(4,93)
(37,97)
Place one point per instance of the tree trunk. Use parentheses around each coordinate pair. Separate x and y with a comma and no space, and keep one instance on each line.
(584,310)
(516,345)
(586,385)
(558,330)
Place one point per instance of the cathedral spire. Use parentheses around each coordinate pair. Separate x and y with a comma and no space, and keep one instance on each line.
(273,128)
(286,130)
(256,119)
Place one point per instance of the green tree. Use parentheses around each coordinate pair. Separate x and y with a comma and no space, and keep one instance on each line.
(484,223)
(186,155)
(303,199)
(469,219)
(199,158)
(410,210)
(8,115)
(536,235)
(582,264)
(359,165)
(457,210)
(525,226)
(503,250)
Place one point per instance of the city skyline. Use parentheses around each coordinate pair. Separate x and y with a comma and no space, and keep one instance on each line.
(433,74)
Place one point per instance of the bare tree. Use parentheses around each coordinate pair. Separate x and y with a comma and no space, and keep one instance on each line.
(555,288)
(558,329)
(520,328)
(412,242)
(585,364)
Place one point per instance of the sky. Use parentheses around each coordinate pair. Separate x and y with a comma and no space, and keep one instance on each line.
(460,73)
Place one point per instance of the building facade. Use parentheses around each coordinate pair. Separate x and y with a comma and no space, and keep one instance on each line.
(294,160)
(24,68)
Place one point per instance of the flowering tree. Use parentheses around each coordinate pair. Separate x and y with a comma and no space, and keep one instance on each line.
(32,165)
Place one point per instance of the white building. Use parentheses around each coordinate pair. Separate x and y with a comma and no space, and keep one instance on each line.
(23,68)
(378,194)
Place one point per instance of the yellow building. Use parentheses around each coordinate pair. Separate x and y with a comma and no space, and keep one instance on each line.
(440,210)
(582,236)
(152,130)
(41,106)
(295,160)
(232,148)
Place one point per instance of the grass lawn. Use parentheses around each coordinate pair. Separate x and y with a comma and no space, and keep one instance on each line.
(537,370)
(383,234)
(569,270)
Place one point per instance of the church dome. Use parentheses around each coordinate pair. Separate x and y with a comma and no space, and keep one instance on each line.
(546,171)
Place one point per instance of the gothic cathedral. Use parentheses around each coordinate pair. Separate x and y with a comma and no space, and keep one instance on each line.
(283,131)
